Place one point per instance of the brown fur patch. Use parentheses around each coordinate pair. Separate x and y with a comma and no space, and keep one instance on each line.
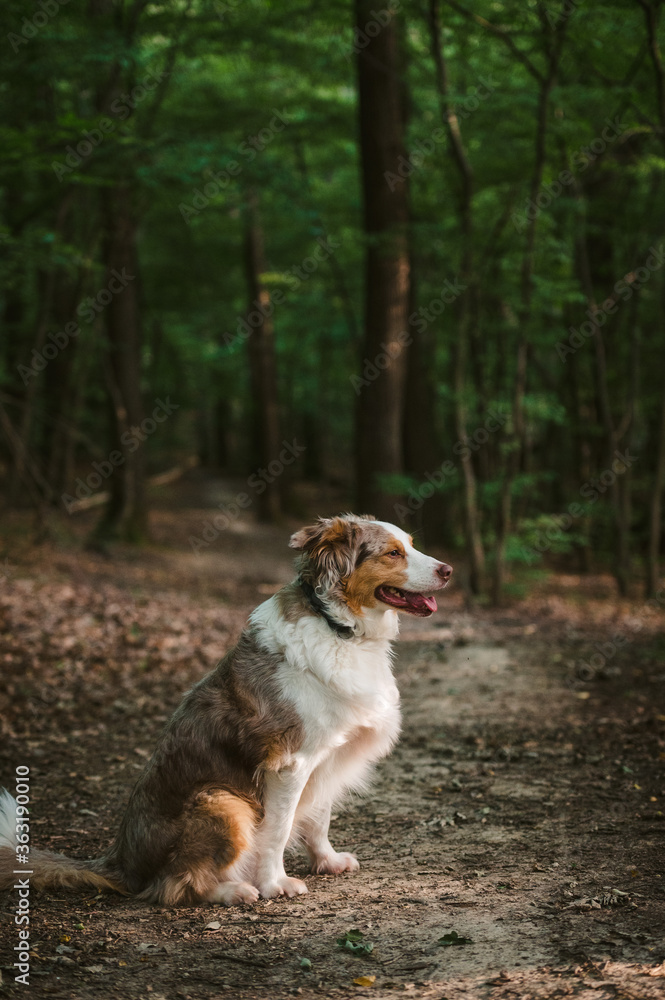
(237,813)
(377,570)
(292,603)
(216,829)
(329,548)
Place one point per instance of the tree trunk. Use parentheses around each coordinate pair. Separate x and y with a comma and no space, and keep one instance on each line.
(35,383)
(656,510)
(380,407)
(267,437)
(126,516)
(514,440)
(465,309)
(619,498)
(651,14)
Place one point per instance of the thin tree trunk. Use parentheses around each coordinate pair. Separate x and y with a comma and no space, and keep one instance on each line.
(613,434)
(581,453)
(380,408)
(515,439)
(651,11)
(30,395)
(466,312)
(126,516)
(38,489)
(35,383)
(656,510)
(658,485)
(267,436)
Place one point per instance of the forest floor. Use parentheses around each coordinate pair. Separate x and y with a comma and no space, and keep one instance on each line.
(523,808)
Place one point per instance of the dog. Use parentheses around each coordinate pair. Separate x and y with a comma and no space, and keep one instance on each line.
(259,751)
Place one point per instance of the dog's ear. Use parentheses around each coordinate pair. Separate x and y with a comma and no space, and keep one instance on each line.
(330,547)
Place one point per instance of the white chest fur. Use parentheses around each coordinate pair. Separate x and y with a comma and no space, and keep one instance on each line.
(338,686)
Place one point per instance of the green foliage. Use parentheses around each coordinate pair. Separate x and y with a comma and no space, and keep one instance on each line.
(220,98)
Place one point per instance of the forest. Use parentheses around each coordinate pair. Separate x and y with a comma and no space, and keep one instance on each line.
(419,243)
(264,261)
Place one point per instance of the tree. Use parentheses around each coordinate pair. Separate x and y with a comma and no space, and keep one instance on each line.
(379,420)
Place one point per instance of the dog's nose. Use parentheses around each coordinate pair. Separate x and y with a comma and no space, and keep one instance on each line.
(444,571)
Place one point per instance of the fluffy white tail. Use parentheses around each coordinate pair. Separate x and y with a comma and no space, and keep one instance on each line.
(7,820)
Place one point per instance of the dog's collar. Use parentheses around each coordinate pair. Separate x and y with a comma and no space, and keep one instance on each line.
(317,605)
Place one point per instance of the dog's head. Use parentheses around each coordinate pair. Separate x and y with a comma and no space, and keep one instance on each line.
(365,563)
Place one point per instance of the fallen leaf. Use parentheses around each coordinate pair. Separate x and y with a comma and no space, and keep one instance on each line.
(214,925)
(365,980)
(352,941)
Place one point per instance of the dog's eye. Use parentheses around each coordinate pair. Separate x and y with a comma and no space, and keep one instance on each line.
(396,554)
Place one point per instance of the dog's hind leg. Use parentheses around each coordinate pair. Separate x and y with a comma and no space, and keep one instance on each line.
(217,836)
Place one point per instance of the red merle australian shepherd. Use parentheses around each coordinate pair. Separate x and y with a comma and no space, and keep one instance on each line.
(260,749)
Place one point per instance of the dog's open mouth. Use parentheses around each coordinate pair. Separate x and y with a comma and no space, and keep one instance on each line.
(406,600)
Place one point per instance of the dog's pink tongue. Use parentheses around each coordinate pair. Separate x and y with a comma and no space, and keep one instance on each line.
(423,605)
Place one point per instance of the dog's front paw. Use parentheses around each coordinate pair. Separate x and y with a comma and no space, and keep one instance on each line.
(335,864)
(284,886)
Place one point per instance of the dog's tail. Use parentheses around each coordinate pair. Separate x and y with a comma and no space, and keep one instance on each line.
(45,869)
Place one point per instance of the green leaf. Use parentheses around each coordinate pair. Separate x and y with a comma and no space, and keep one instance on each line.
(454,938)
(352,941)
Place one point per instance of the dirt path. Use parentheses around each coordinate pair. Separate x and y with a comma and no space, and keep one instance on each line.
(522,809)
